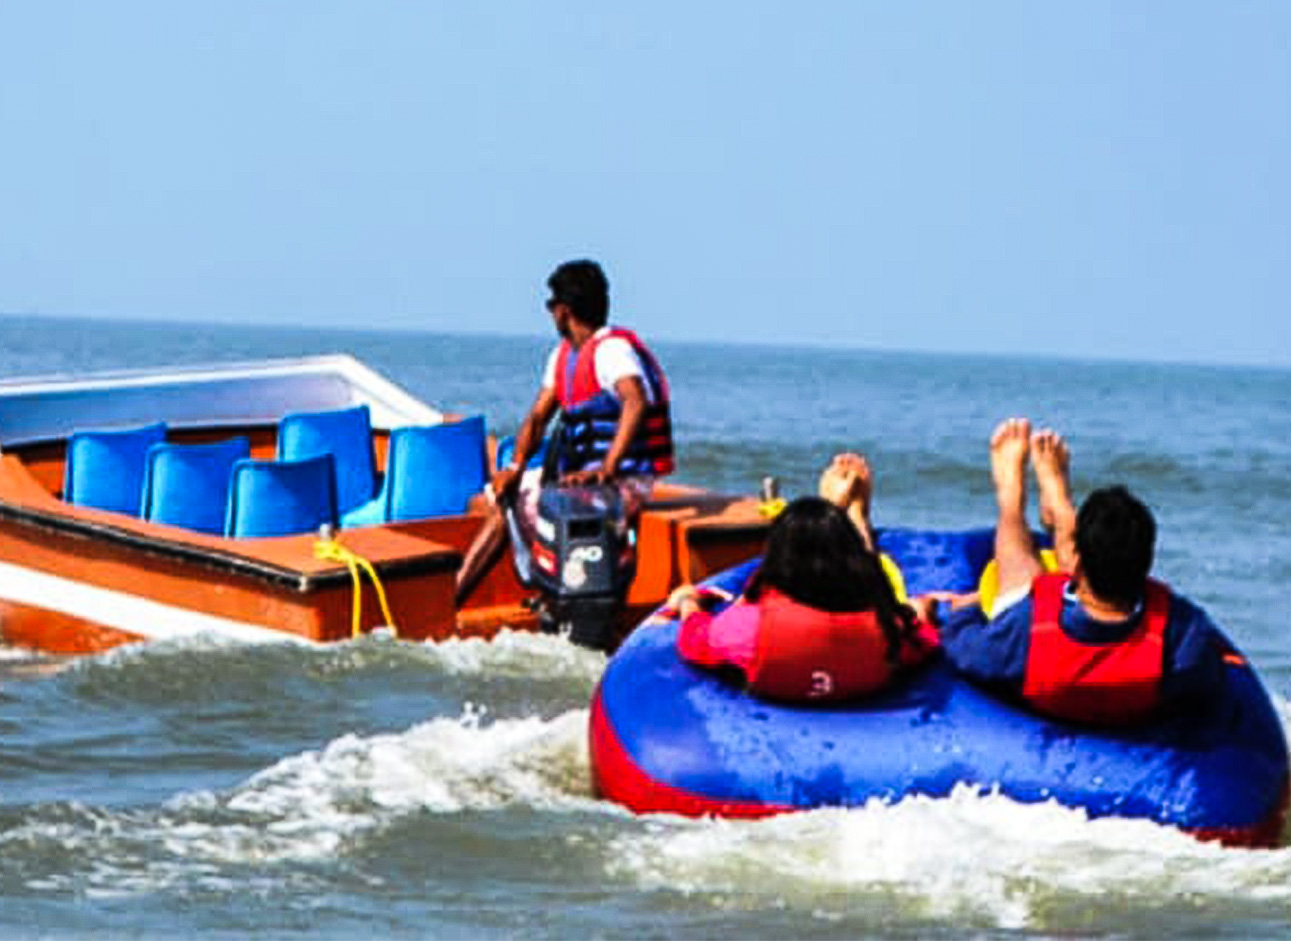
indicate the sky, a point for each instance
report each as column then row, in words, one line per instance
column 1089, row 179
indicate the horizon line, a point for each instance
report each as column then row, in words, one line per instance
column 754, row 343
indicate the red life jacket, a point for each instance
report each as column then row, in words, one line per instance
column 1109, row 684
column 591, row 414
column 808, row 655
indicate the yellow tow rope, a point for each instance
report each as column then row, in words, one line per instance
column 331, row 548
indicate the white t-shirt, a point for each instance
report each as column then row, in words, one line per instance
column 615, row 360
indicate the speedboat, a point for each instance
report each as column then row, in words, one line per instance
column 308, row 499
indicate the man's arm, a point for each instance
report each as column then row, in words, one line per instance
column 527, row 439
column 632, row 395
column 1195, row 651
column 991, row 651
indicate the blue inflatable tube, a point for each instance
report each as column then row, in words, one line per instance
column 667, row 736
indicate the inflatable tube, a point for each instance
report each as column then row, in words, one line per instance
column 669, row 737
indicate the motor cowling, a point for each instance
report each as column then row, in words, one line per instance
column 583, row 560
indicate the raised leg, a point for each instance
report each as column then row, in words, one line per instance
column 1015, row 554
column 848, row 483
column 490, row 542
column 1052, row 463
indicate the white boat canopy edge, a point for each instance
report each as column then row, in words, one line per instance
column 52, row 407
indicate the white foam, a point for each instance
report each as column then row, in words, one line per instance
column 518, row 653
column 444, row 765
column 306, row 807
column 976, row 859
column 978, row 856
column 510, row 654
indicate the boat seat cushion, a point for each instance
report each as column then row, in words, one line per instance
column 434, row 470
column 346, row 434
column 188, row 484
column 105, row 469
column 281, row 498
column 372, row 513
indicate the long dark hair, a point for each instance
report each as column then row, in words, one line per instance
column 815, row 556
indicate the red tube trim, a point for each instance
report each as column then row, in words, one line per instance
column 616, row 777
column 1264, row 835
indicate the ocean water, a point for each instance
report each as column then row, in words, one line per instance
column 388, row 789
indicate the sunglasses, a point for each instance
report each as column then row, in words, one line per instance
column 552, row 302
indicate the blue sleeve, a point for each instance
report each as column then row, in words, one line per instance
column 1194, row 655
column 993, row 651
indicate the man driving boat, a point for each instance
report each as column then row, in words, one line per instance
column 615, row 424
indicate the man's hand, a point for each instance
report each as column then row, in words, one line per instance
column 587, row 478
column 505, row 483
column 684, row 600
column 925, row 606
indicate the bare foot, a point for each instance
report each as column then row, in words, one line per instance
column 1015, row 556
column 1052, row 463
column 848, row 483
column 837, row 483
column 1009, row 446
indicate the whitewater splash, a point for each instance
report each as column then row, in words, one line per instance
column 17, row 655
column 979, row 859
column 307, row 808
column 508, row 653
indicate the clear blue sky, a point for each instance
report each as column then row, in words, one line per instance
column 1083, row 178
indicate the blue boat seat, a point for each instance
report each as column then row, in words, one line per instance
column 188, row 484
column 281, row 498
column 105, row 469
column 346, row 434
column 434, row 470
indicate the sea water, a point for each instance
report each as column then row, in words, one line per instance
column 381, row 788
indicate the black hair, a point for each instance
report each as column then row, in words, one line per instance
column 815, row 556
column 582, row 286
column 1116, row 538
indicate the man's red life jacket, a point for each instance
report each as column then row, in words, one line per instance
column 591, row 414
column 1116, row 683
column 808, row 655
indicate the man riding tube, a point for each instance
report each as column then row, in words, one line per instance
column 1100, row 643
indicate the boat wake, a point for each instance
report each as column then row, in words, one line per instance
column 979, row 858
column 306, row 809
column 506, row 773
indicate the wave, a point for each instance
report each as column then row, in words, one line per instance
column 977, row 858
column 980, row 859
column 468, row 783
column 305, row 809
column 208, row 668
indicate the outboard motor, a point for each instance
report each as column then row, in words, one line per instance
column 582, row 560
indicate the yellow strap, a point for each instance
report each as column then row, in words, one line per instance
column 989, row 586
column 893, row 572
column 333, row 550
